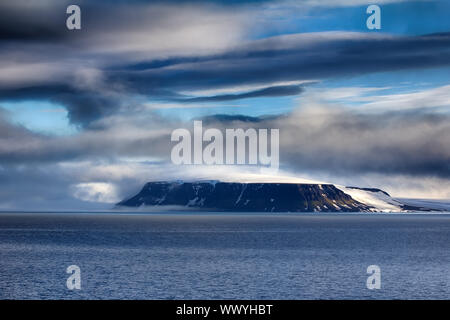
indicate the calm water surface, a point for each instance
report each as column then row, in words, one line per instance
column 217, row 256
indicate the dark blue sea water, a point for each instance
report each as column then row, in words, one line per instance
column 217, row 256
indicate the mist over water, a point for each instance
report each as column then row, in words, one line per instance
column 224, row 256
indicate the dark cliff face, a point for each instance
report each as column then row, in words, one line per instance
column 246, row 197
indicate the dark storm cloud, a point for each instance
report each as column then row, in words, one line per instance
column 276, row 60
column 265, row 63
column 32, row 21
column 41, row 59
column 83, row 106
column 291, row 58
column 287, row 59
column 141, row 50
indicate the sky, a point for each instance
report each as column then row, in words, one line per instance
column 86, row 115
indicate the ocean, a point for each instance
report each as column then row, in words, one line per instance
column 224, row 256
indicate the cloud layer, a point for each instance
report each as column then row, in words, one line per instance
column 315, row 138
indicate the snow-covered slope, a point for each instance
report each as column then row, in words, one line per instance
column 379, row 200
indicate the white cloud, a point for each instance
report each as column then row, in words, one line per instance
column 171, row 105
column 371, row 100
column 96, row 192
column 25, row 74
column 164, row 30
column 244, row 88
column 347, row 93
column 428, row 98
